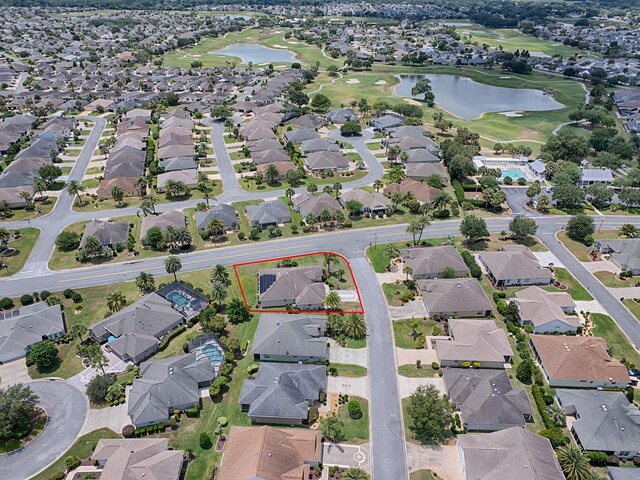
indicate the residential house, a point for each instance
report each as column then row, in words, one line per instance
column 188, row 177
column 129, row 458
column 168, row 218
column 108, row 233
column 623, row 253
column 21, row 328
column 474, row 341
column 605, row 421
column 270, row 453
column 166, row 385
column 178, row 163
column 421, row 191
column 282, row 167
column 309, row 204
column 486, row 399
column 326, row 160
column 386, row 122
column 127, row 184
column 623, row 473
column 514, row 267
column 454, row 297
column 342, row 115
column 273, row 212
column 431, row 262
column 301, row 287
column 308, row 121
column 372, row 202
column 547, row 312
column 318, row 145
column 281, row 338
column 301, row 135
column 423, row 156
column 580, row 362
column 281, row 393
column 512, row 453
column 223, row 212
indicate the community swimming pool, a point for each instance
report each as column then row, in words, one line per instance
column 513, row 173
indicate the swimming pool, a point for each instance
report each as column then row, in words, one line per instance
column 213, row 353
column 514, row 173
column 178, row 299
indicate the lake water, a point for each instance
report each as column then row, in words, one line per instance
column 469, row 100
column 256, row 54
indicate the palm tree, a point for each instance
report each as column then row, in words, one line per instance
column 355, row 326
column 312, row 187
column 271, row 173
column 416, row 227
column 91, row 245
column 78, row 330
column 148, row 204
column 628, row 231
column 325, row 216
column 39, row 187
column 27, row 197
column 218, row 293
column 141, row 183
column 573, row 462
column 289, row 193
column 407, row 270
column 557, row 415
column 173, row 265
column 5, row 235
column 355, row 473
column 97, row 359
column 145, row 282
column 74, row 187
column 337, row 187
column 328, row 260
column 378, row 185
column 117, row 193
column 332, row 300
column 310, row 219
column 205, row 195
column 220, row 274
column 182, row 236
column 331, row 426
column 116, row 301
column 215, row 226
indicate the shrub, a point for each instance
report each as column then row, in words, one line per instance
column 524, row 372
column 193, row 412
column 597, row 459
column 465, row 364
column 205, row 234
column 223, row 422
column 67, row 293
column 354, row 408
column 166, row 340
column 44, row 295
column 313, row 415
column 71, row 462
column 76, row 297
column 435, row 365
column 474, row 268
column 241, row 235
column 6, row 303
column 205, row 441
column 26, row 299
column 68, row 241
column 98, row 386
column 128, row 431
column 555, row 436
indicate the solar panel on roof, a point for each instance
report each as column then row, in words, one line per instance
column 266, row 280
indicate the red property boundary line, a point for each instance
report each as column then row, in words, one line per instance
column 359, row 311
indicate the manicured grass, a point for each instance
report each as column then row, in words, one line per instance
column 23, row 246
column 619, row 345
column 610, row 279
column 574, row 288
column 82, row 448
column 402, row 331
column 633, row 307
column 393, row 292
column 356, row 342
column 44, row 207
column 495, row 242
column 425, row 371
column 422, row 475
column 355, row 430
column 38, row 422
column 249, row 185
column 350, row 370
column 579, row 250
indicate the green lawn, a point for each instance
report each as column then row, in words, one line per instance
column 633, row 306
column 82, row 448
column 402, row 331
column 350, row 370
column 620, row 347
column 425, row 371
column 574, row 288
column 23, row 246
column 43, row 207
column 379, row 259
column 423, row 475
column 355, row 431
column 581, row 251
column 610, row 279
column 393, row 292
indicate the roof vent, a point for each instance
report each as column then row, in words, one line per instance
column 269, row 454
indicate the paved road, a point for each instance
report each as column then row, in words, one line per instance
column 67, row 408
column 388, row 456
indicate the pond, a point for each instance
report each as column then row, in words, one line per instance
column 257, row 54
column 469, row 100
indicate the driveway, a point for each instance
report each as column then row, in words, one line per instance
column 442, row 459
column 358, row 386
column 110, row 417
column 345, row 455
column 67, row 409
column 407, row 386
column 407, row 356
column 601, row 266
column 354, row 356
column 14, row 372
column 413, row 308
column 546, row 258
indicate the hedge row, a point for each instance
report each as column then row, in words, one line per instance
column 166, row 340
column 470, row 261
column 160, row 427
column 459, row 190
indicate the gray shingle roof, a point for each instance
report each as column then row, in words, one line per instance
column 508, row 454
column 283, row 335
column 625, row 252
column 283, row 390
column 443, row 296
column 624, row 473
column 222, row 211
column 426, row 261
column 274, row 211
column 509, row 265
column 607, row 421
column 486, row 397
column 108, row 233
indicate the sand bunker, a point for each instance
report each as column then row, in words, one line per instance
column 513, row 113
column 293, row 43
column 353, row 80
column 411, row 101
column 279, row 46
column 381, row 82
column 506, row 76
